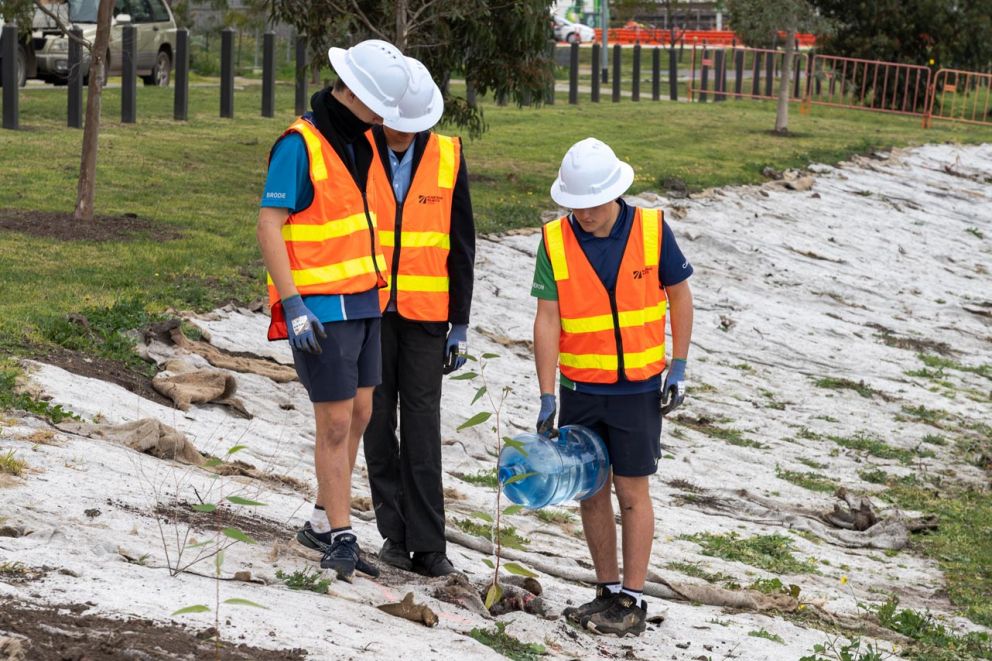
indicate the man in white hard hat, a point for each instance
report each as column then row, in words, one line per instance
column 427, row 233
column 606, row 275
column 316, row 229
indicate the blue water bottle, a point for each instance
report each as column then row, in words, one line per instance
column 573, row 466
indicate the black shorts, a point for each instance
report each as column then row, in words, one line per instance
column 630, row 426
column 351, row 359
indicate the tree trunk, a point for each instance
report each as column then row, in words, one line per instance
column 401, row 23
column 91, row 130
column 782, row 114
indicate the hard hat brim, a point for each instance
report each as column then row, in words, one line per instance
column 341, row 68
column 571, row 201
column 422, row 123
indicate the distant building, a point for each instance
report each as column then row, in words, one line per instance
column 660, row 14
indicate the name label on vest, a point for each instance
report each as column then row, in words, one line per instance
column 430, row 199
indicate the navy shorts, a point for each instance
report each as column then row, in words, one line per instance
column 351, row 359
column 630, row 426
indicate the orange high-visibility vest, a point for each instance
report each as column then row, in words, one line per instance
column 332, row 244
column 603, row 332
column 415, row 236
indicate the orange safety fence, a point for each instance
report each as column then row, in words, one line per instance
column 659, row 37
column 753, row 73
column 878, row 86
column 960, row 96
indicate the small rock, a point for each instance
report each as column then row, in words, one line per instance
column 13, row 531
column 69, row 572
column 92, row 512
column 243, row 575
column 682, row 646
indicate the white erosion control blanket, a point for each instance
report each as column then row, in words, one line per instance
column 881, row 260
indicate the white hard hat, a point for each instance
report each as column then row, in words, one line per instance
column 376, row 72
column 423, row 103
column 590, row 175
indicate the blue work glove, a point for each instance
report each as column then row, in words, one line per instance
column 673, row 390
column 546, row 418
column 455, row 348
column 302, row 325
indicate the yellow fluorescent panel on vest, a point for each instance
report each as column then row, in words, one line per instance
column 610, row 362
column 332, row 229
column 605, row 321
column 417, row 240
column 341, row 271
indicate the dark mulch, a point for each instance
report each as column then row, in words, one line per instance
column 67, row 632
column 100, row 368
column 62, row 226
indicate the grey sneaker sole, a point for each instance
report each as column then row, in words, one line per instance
column 635, row 631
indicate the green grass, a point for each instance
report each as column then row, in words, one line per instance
column 767, row 635
column 482, row 478
column 926, row 415
column 772, row 553
column 11, row 465
column 201, row 180
column 305, row 579
column 859, row 387
column 696, row 570
column 507, row 645
column 876, row 447
column 508, row 535
column 548, row 515
column 933, row 641
column 962, row 543
column 11, row 399
column 811, row 481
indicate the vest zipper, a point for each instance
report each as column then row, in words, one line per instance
column 616, row 330
column 397, row 246
column 368, row 219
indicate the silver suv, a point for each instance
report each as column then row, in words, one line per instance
column 156, row 39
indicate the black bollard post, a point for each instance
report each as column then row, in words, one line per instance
column 573, row 74
column 655, row 73
column 75, row 91
column 769, row 73
column 635, row 88
column 756, row 77
column 129, row 74
column 616, row 73
column 797, row 75
column 594, row 96
column 227, row 73
column 11, row 89
column 673, row 73
column 269, row 74
column 180, row 102
column 301, row 74
column 719, row 79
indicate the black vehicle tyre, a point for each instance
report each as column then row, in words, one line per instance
column 22, row 72
column 572, row 38
column 162, row 72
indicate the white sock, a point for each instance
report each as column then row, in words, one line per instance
column 339, row 531
column 318, row 520
column 636, row 594
column 614, row 588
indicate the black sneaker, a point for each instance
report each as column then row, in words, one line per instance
column 624, row 616
column 321, row 541
column 580, row 614
column 433, row 563
column 395, row 554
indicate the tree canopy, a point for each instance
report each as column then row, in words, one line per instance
column 500, row 46
column 950, row 33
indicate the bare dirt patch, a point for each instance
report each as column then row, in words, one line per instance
column 100, row 368
column 63, row 227
column 67, row 632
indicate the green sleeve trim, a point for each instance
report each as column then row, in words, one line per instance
column 544, row 286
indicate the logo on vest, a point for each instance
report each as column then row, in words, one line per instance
column 639, row 275
column 429, row 199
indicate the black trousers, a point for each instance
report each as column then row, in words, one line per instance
column 405, row 473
